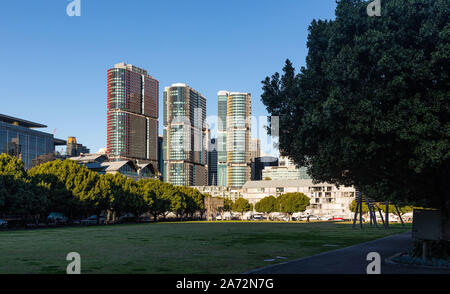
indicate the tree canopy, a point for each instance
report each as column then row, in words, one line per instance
column 267, row 205
column 371, row 108
column 291, row 203
column 72, row 189
column 242, row 205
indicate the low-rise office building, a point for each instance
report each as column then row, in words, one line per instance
column 220, row 191
column 325, row 199
column 19, row 138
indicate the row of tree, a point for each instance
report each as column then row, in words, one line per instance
column 75, row 191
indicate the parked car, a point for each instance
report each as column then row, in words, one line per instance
column 226, row 217
column 311, row 217
column 283, row 218
column 257, row 217
column 3, row 223
column 92, row 220
column 57, row 218
column 126, row 218
column 145, row 219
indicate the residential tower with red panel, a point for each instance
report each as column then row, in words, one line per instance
column 132, row 119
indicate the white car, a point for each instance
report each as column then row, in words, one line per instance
column 311, row 217
column 283, row 218
column 257, row 217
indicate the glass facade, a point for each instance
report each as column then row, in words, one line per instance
column 222, row 127
column 234, row 111
column 132, row 119
column 185, row 136
column 222, row 175
column 24, row 143
column 285, row 173
column 238, row 175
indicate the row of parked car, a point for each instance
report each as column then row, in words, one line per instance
column 296, row 218
column 57, row 218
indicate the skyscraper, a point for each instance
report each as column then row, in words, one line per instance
column 185, row 154
column 161, row 157
column 234, row 111
column 255, row 149
column 132, row 114
column 222, row 98
column 212, row 162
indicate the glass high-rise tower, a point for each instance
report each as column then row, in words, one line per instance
column 234, row 114
column 185, row 144
column 132, row 114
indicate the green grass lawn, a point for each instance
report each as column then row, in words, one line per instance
column 183, row 248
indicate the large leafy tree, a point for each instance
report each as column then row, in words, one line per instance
column 148, row 194
column 371, row 108
column 161, row 205
column 267, row 205
column 18, row 195
column 178, row 202
column 68, row 186
column 195, row 201
column 242, row 206
column 12, row 183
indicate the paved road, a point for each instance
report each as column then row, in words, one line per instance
column 352, row 260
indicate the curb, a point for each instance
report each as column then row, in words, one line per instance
column 389, row 260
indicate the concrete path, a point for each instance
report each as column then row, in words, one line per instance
column 352, row 260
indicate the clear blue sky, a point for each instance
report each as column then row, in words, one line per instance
column 54, row 66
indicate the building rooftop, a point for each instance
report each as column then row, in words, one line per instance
column 20, row 122
column 223, row 92
column 89, row 157
column 116, row 165
column 239, row 93
column 132, row 68
column 267, row 159
column 59, row 142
